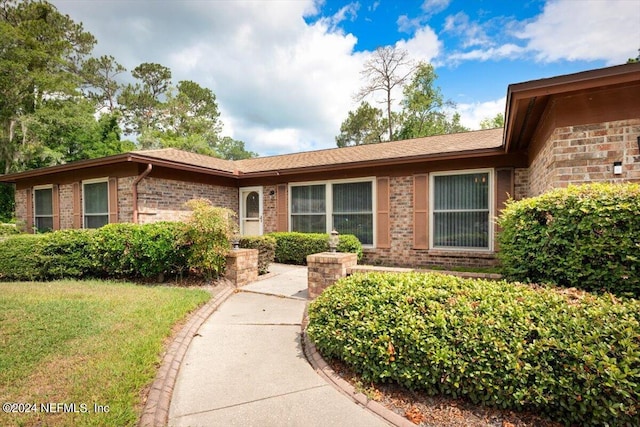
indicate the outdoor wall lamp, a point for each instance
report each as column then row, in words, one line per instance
column 334, row 238
column 617, row 168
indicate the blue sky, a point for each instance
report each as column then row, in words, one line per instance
column 285, row 71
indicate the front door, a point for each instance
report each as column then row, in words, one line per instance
column 251, row 211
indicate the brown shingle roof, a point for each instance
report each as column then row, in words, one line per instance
column 178, row 156
column 432, row 146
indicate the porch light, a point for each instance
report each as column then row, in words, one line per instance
column 236, row 242
column 617, row 168
column 333, row 240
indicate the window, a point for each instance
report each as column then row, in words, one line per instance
column 345, row 206
column 95, row 195
column 309, row 209
column 461, row 210
column 43, row 209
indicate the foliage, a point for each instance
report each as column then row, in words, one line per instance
column 232, row 149
column 134, row 251
column 569, row 355
column 8, row 229
column 294, row 247
column 41, row 50
column 266, row 246
column 492, row 123
column 365, row 126
column 66, row 254
column 102, row 340
column 20, row 257
column 211, row 229
column 584, row 236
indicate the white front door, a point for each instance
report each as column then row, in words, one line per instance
column 251, row 211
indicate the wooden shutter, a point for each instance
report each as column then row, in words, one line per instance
column 281, row 209
column 421, row 211
column 504, row 187
column 55, row 206
column 383, row 202
column 29, row 219
column 113, row 200
column 77, row 205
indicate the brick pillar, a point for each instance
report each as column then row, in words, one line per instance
column 325, row 268
column 242, row 266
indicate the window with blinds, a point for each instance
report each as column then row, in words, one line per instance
column 43, row 209
column 345, row 206
column 461, row 210
column 95, row 196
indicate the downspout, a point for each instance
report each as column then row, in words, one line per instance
column 134, row 190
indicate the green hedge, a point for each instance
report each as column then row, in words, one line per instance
column 582, row 236
column 266, row 246
column 8, row 229
column 66, row 254
column 20, row 257
column 294, row 247
column 566, row 354
column 140, row 251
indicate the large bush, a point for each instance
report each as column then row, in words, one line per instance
column 570, row 355
column 266, row 246
column 211, row 230
column 66, row 254
column 294, row 247
column 20, row 257
column 586, row 236
column 134, row 251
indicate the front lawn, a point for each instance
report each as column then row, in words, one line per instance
column 82, row 352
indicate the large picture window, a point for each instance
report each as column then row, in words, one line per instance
column 43, row 209
column 95, row 196
column 461, row 210
column 345, row 206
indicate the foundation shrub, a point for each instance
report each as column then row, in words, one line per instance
column 210, row 232
column 567, row 354
column 8, row 230
column 266, row 246
column 582, row 236
column 66, row 254
column 20, row 257
column 140, row 251
column 294, row 247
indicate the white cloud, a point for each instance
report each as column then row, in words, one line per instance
column 473, row 33
column 589, row 30
column 506, row 51
column 435, row 6
column 471, row 114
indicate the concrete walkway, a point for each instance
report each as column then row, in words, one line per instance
column 246, row 367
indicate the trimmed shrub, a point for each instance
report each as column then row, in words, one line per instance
column 20, row 257
column 582, row 236
column 266, row 246
column 211, row 230
column 294, row 247
column 566, row 354
column 66, row 253
column 8, row 230
column 132, row 250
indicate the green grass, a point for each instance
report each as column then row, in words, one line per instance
column 84, row 343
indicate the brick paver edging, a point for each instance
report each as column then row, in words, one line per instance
column 324, row 370
column 156, row 408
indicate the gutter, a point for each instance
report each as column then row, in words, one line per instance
column 134, row 191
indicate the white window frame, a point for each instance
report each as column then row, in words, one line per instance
column 491, row 196
column 35, row 215
column 84, row 208
column 328, row 194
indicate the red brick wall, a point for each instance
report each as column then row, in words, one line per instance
column 585, row 153
column 21, row 207
column 164, row 200
column 269, row 214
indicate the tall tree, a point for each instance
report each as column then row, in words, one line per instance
column 364, row 126
column 99, row 81
column 491, row 123
column 40, row 55
column 232, row 149
column 142, row 103
column 388, row 68
column 424, row 110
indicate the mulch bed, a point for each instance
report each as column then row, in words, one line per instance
column 430, row 411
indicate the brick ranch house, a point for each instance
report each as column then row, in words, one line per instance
column 419, row 202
